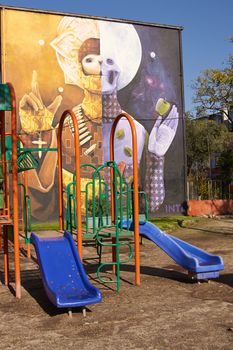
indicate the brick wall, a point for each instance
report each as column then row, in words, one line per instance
column 210, row 207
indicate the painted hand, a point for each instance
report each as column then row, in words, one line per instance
column 34, row 115
column 163, row 133
column 123, row 149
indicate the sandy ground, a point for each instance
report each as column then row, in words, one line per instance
column 168, row 310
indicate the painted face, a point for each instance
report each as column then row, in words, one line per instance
column 109, row 75
column 92, row 64
column 106, row 68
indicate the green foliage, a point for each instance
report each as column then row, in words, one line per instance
column 213, row 90
column 203, row 138
column 225, row 162
column 203, row 192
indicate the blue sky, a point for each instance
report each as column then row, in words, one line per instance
column 207, row 26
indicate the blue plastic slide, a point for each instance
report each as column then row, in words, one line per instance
column 199, row 263
column 63, row 274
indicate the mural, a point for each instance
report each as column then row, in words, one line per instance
column 98, row 69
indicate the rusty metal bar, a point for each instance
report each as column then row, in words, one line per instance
column 135, row 188
column 78, row 180
column 15, row 192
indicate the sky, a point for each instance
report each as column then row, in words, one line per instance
column 205, row 38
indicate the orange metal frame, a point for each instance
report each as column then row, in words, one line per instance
column 135, row 188
column 25, row 180
column 60, row 187
column 15, row 219
column 78, row 181
column 6, row 209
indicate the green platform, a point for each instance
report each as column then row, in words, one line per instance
column 5, row 98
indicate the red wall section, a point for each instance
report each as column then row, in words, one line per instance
column 210, row 207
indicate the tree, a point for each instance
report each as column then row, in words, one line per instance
column 203, row 138
column 213, row 91
column 225, row 162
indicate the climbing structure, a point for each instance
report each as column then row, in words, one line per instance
column 13, row 160
column 107, row 199
column 9, row 206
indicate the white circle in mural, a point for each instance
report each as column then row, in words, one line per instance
column 120, row 42
column 153, row 54
column 60, row 89
column 41, row 42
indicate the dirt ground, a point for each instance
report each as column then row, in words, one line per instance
column 168, row 310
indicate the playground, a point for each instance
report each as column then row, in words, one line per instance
column 106, row 252
column 167, row 311
column 102, row 166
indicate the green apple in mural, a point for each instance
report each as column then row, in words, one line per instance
column 162, row 107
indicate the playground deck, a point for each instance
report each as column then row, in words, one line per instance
column 5, row 220
column 166, row 312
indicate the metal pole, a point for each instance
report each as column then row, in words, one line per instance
column 15, row 191
column 6, row 209
column 135, row 187
column 6, row 255
column 78, row 179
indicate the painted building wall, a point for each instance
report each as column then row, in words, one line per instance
column 98, row 68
